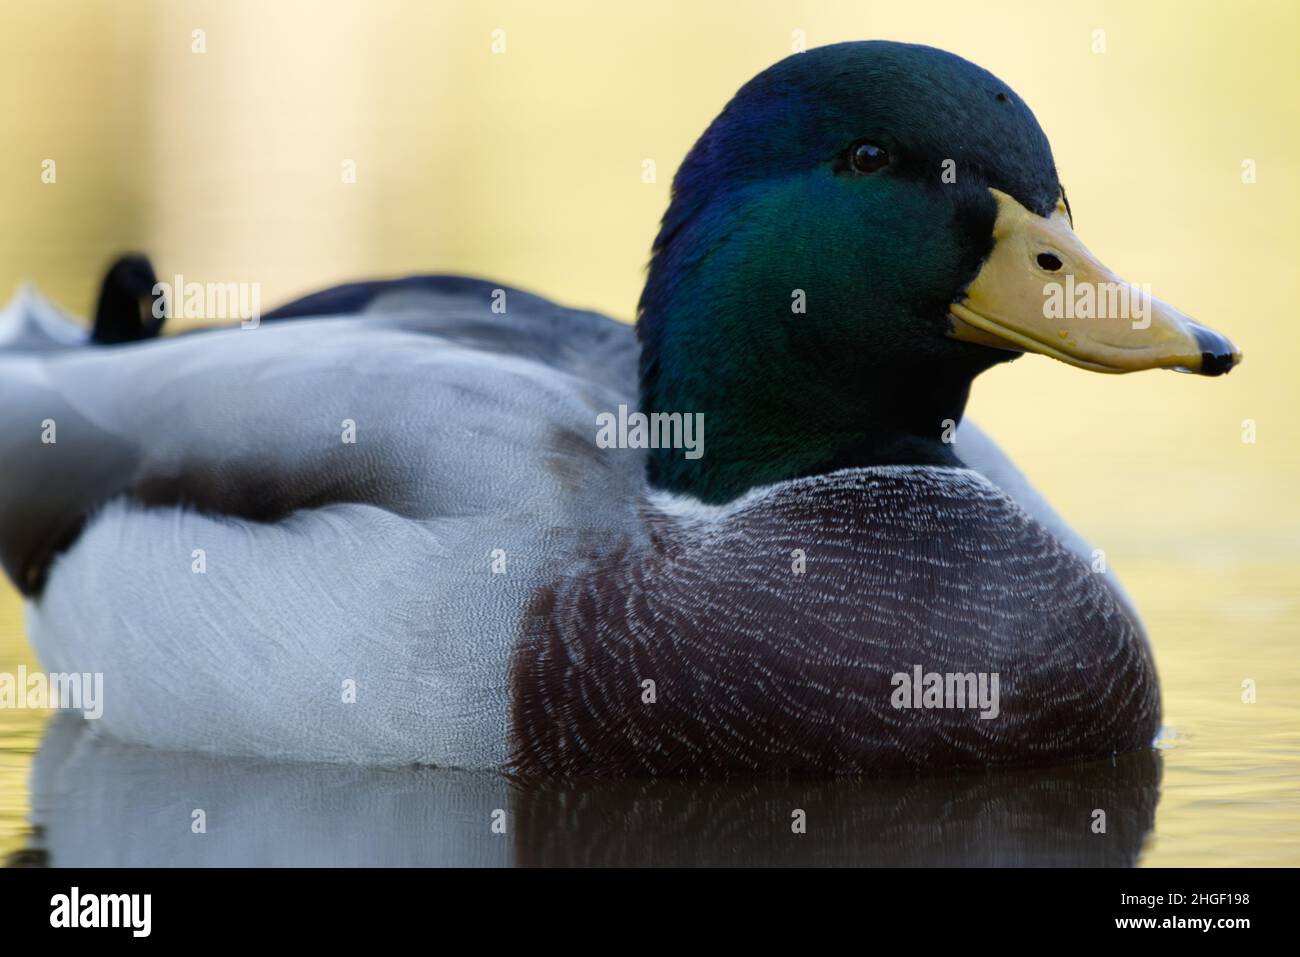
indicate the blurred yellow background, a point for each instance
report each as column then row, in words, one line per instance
column 526, row 166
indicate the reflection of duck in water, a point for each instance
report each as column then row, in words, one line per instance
column 863, row 230
column 100, row 803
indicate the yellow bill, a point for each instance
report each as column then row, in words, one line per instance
column 1041, row 291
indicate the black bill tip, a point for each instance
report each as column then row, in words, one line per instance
column 1218, row 355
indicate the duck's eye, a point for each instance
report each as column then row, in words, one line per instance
column 868, row 157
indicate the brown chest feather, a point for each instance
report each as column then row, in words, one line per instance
column 768, row 640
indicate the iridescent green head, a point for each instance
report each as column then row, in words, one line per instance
column 802, row 285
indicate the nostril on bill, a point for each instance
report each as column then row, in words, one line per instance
column 1049, row 261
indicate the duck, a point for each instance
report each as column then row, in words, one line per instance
column 377, row 527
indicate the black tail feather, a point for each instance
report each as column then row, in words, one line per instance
column 128, row 309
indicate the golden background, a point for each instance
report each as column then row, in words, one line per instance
column 526, row 166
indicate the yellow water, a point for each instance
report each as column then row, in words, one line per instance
column 527, row 166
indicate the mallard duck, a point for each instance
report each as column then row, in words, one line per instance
column 414, row 521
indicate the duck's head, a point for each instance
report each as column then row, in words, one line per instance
column 865, row 228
